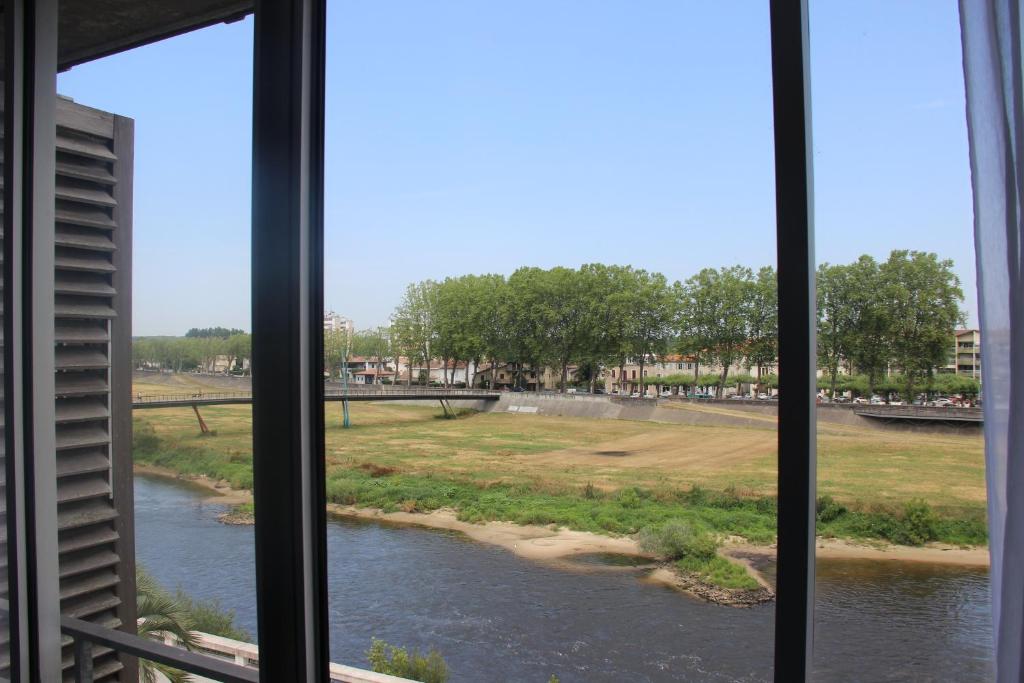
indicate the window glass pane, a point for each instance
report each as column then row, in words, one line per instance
column 543, row 184
column 902, row 585
column 174, row 242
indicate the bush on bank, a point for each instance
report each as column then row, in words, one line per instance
column 694, row 551
column 397, row 661
column 585, row 508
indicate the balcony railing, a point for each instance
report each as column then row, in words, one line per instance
column 215, row 657
column 87, row 634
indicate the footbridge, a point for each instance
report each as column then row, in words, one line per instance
column 148, row 401
column 195, row 400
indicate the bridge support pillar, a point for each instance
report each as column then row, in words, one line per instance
column 202, row 424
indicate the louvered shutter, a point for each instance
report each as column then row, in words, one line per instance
column 93, row 382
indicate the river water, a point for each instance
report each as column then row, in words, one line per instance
column 496, row 617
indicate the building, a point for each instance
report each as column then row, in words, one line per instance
column 508, row 376
column 338, row 323
column 370, row 370
column 965, row 358
column 461, row 373
column 631, row 381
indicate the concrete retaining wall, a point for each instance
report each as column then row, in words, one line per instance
column 762, row 414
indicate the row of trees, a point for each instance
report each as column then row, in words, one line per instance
column 191, row 352
column 874, row 318
column 593, row 317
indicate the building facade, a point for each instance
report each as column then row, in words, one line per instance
column 966, row 354
column 338, row 323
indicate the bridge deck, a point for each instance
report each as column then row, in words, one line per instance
column 144, row 401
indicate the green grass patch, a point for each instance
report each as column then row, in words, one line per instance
column 486, row 492
column 720, row 572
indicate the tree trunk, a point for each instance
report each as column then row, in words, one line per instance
column 643, row 384
column 725, row 375
column 494, row 372
column 622, row 376
column 565, row 375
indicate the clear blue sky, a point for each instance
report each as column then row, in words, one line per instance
column 478, row 137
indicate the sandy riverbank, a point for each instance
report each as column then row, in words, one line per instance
column 552, row 543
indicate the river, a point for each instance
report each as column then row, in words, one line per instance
column 497, row 617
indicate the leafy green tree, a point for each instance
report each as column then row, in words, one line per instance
column 763, row 321
column 613, row 337
column 654, row 316
column 837, row 320
column 923, row 295
column 336, row 350
column 238, row 347
column 872, row 323
column 487, row 336
column 413, row 326
column 716, row 311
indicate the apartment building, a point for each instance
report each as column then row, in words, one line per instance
column 338, row 323
column 671, row 364
column 965, row 357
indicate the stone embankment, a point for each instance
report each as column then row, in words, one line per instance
column 763, row 414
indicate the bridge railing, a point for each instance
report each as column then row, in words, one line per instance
column 186, row 397
column 141, row 398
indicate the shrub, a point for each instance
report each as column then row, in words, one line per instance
column 144, row 438
column 396, row 661
column 629, row 498
column 828, row 510
column 678, row 539
column 920, row 523
column 209, row 617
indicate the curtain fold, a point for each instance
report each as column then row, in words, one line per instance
column 991, row 36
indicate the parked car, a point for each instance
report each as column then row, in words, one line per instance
column 635, row 394
column 738, row 397
column 877, row 401
column 665, row 393
column 897, row 402
column 942, row 402
column 860, row 400
column 763, row 397
column 841, row 399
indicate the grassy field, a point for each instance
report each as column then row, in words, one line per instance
column 602, row 475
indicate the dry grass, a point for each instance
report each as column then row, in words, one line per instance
column 856, row 466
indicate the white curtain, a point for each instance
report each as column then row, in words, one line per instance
column 991, row 34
